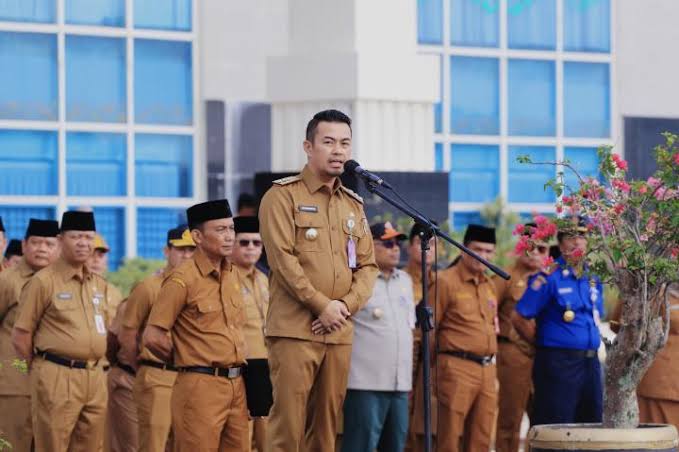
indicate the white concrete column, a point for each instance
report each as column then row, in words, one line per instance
column 360, row 57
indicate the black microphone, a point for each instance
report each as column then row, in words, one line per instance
column 354, row 167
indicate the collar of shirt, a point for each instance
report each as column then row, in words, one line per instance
column 314, row 183
column 249, row 273
column 395, row 273
column 467, row 276
column 564, row 267
column 68, row 271
column 205, row 266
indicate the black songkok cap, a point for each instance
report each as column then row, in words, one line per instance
column 77, row 221
column 246, row 224
column 13, row 249
column 478, row 233
column 206, row 211
column 2, row 226
column 42, row 228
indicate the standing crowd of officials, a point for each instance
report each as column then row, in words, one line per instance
column 319, row 351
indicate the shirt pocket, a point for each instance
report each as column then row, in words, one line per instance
column 209, row 315
column 567, row 297
column 63, row 304
column 353, row 225
column 310, row 232
column 466, row 305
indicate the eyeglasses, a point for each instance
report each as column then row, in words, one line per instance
column 388, row 244
column 246, row 243
column 540, row 248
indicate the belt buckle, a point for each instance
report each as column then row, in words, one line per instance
column 215, row 371
column 89, row 365
column 232, row 372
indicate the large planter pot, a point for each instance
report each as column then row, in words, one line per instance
column 592, row 437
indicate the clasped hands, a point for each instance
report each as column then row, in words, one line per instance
column 333, row 318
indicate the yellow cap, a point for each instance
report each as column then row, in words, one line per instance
column 100, row 243
column 185, row 240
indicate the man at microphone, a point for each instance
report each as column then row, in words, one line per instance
column 320, row 251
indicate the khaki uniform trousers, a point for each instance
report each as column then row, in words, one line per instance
column 153, row 395
column 258, row 428
column 309, row 384
column 467, row 396
column 209, row 414
column 15, row 421
column 121, row 420
column 68, row 407
column 658, row 411
column 514, row 371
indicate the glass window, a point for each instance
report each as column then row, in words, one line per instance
column 95, row 164
column 532, row 24
column 107, row 13
column 43, row 11
column 152, row 227
column 16, row 219
column 164, row 165
column 586, row 100
column 92, row 63
column 587, row 25
column 430, row 21
column 163, row 14
column 474, row 23
column 28, row 162
column 438, row 106
column 474, row 173
column 526, row 181
column 110, row 223
column 29, row 89
column 475, row 95
column 163, row 86
column 585, row 161
column 460, row 220
column 438, row 157
column 532, row 98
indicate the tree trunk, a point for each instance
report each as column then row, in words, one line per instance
column 620, row 409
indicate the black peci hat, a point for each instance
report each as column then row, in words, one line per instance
column 42, row 228
column 13, row 249
column 206, row 211
column 478, row 233
column 77, row 221
column 246, row 224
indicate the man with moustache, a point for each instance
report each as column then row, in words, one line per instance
column 41, row 248
column 320, row 251
column 61, row 332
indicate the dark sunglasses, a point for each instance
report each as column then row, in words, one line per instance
column 388, row 244
column 246, row 243
column 541, row 248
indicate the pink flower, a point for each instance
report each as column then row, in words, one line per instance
column 661, row 194
column 620, row 163
column 559, row 208
column 522, row 245
column 653, row 182
column 577, row 253
column 549, row 260
column 619, row 208
column 621, row 185
column 540, row 220
column 567, row 200
column 676, row 158
column 519, row 229
column 643, row 238
column 644, row 188
column 675, row 252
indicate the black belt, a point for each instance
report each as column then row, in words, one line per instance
column 129, row 369
column 163, row 366
column 574, row 353
column 227, row 372
column 504, row 339
column 482, row 360
column 72, row 363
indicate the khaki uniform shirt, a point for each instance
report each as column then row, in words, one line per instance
column 113, row 299
column 508, row 294
column 114, row 329
column 203, row 308
column 12, row 382
column 306, row 228
column 255, row 291
column 139, row 303
column 64, row 311
column 465, row 312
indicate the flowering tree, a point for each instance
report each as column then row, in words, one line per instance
column 634, row 245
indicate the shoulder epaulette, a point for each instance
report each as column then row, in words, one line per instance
column 288, row 180
column 352, row 193
column 178, row 281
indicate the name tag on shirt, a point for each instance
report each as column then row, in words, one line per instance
column 308, row 209
column 64, row 296
column 565, row 290
column 99, row 323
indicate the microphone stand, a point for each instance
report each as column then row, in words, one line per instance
column 424, row 312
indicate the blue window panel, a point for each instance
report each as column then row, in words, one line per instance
column 16, row 219
column 531, row 24
column 474, row 174
column 460, row 220
column 163, row 87
column 107, row 13
column 438, row 157
column 475, row 23
column 90, row 64
column 475, row 95
column 587, row 25
column 28, row 162
column 532, row 98
column 527, row 181
column 42, row 11
column 438, row 106
column 96, row 164
column 110, row 222
column 164, row 165
column 28, row 76
column 430, row 21
column 152, row 227
column 586, row 100
column 163, row 14
column 585, row 161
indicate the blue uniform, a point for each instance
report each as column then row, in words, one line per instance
column 566, row 370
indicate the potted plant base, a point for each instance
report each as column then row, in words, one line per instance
column 593, row 437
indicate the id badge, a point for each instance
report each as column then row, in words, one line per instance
column 351, row 252
column 99, row 323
